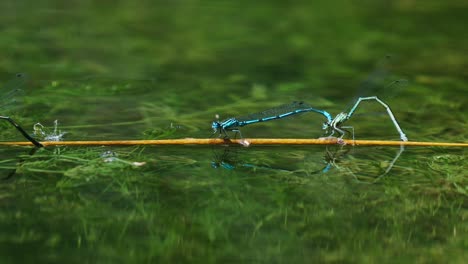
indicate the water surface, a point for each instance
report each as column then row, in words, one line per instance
column 164, row 69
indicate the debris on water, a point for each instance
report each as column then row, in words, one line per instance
column 138, row 164
column 41, row 132
column 111, row 156
column 175, row 126
column 244, row 142
column 108, row 153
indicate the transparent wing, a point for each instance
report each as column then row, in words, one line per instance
column 380, row 82
column 278, row 110
column 11, row 91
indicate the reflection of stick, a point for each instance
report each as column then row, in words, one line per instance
column 21, row 130
column 252, row 141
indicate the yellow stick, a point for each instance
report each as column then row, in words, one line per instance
column 251, row 142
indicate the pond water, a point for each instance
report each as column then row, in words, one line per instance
column 164, row 69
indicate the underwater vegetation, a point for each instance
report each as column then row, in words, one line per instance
column 167, row 69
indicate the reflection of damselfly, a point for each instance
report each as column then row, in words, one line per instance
column 9, row 166
column 7, row 94
column 229, row 160
column 335, row 157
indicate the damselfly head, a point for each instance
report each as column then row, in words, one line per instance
column 325, row 126
column 214, row 164
column 216, row 126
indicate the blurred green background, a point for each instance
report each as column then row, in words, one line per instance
column 164, row 69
